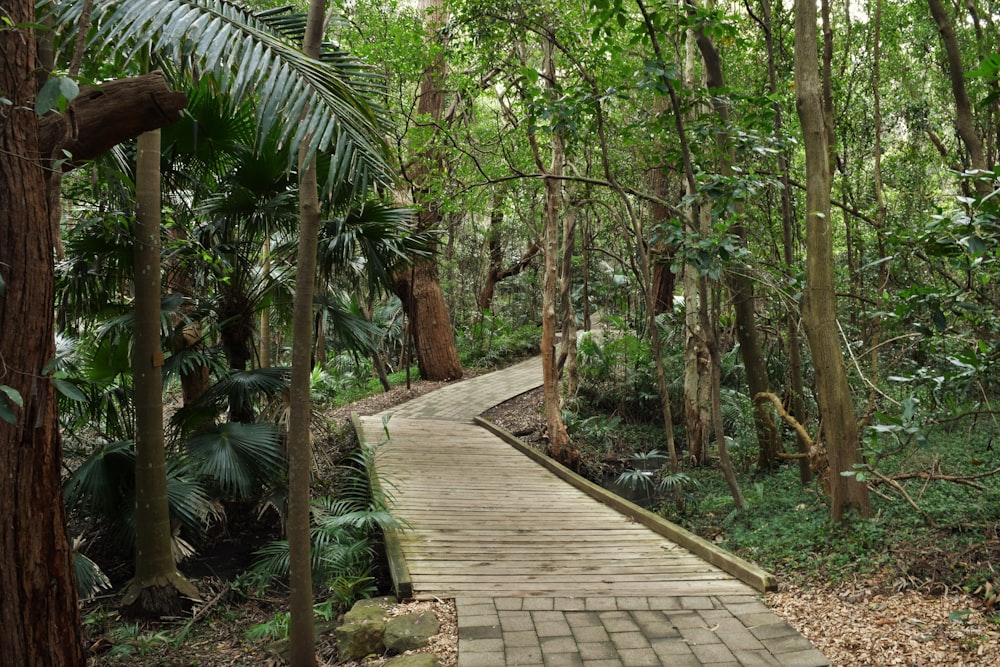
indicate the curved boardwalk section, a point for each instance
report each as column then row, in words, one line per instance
column 542, row 573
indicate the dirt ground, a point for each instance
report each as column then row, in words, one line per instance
column 865, row 622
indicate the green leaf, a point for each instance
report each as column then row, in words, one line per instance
column 57, row 92
column 69, row 390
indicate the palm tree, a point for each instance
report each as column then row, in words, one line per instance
column 315, row 106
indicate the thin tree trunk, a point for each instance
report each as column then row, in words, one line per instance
column 795, row 389
column 301, row 630
column 567, row 362
column 38, row 599
column 264, row 344
column 965, row 123
column 819, row 305
column 158, row 589
column 559, row 445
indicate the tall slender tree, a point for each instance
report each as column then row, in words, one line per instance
column 819, row 300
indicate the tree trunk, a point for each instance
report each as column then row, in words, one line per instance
column 38, row 600
column 559, row 445
column 965, row 123
column 819, row 300
column 158, row 589
column 697, row 361
column 567, row 362
column 739, row 282
column 795, row 390
column 494, row 251
column 430, row 326
column 420, row 289
column 301, row 629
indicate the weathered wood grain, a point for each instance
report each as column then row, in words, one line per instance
column 484, row 519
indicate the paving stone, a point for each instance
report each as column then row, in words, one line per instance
column 553, row 629
column 477, row 610
column 756, row 658
column 491, row 659
column 745, row 608
column 569, row 604
column 664, row 604
column 740, row 640
column 581, row 619
column 685, row 619
column 615, row 662
column 662, row 630
column 758, row 619
column 516, row 620
column 806, row 658
column 699, row 636
column 618, row 622
column 507, row 604
column 787, row 644
column 596, row 650
column 645, row 616
column 547, row 616
column 696, row 602
column 591, row 633
column 600, row 604
column 772, row 631
column 524, row 655
column 481, row 632
column 623, row 640
column 633, row 603
column 477, row 621
column 737, row 599
column 520, row 638
column 562, row 660
column 638, row 657
column 557, row 645
column 713, row 654
column 536, row 604
column 670, row 647
column 713, row 616
column 480, row 645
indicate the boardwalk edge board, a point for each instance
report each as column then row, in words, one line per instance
column 745, row 571
column 401, row 581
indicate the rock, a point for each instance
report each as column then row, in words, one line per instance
column 359, row 638
column 410, row 631
column 363, row 629
column 415, row 660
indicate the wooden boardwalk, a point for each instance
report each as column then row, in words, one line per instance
column 487, row 521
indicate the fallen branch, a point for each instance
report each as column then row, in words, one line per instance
column 906, row 496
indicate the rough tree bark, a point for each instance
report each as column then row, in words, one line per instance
column 497, row 271
column 38, row 600
column 819, row 300
column 567, row 362
column 419, row 288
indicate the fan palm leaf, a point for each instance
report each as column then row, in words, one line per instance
column 240, row 458
column 319, row 105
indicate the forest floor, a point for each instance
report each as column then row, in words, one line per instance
column 865, row 620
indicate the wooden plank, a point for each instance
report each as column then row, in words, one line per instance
column 484, row 519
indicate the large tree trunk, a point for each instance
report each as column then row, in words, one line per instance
column 158, row 589
column 819, row 300
column 420, row 288
column 38, row 600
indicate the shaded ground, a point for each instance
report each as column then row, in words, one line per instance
column 911, row 617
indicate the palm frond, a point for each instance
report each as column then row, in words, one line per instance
column 317, row 104
column 90, row 580
column 103, row 482
column 240, row 458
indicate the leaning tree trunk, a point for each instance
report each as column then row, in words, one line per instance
column 38, row 600
column 420, row 288
column 158, row 589
column 567, row 362
column 819, row 302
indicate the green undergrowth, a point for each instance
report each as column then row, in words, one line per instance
column 947, row 541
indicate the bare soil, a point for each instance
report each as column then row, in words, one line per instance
column 882, row 620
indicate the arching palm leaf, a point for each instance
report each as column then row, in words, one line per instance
column 318, row 104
